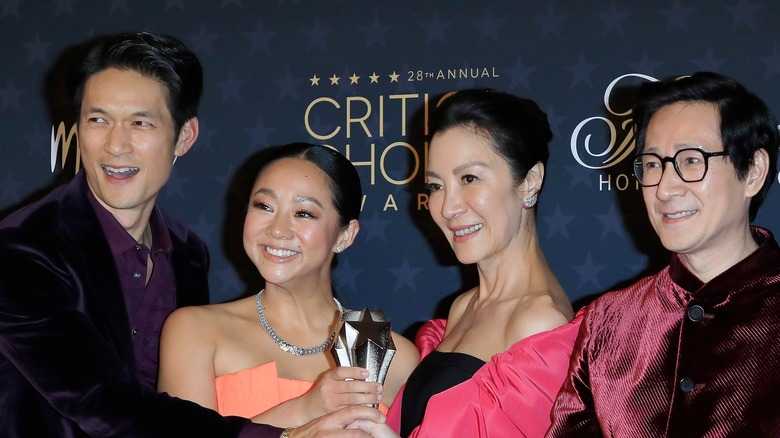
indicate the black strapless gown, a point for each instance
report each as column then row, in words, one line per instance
column 437, row 372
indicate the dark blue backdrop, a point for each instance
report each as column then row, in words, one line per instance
column 359, row 76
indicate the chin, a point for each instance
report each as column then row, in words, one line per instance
column 675, row 245
column 467, row 259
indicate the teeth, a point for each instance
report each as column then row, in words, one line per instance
column 468, row 230
column 680, row 214
column 280, row 252
column 119, row 170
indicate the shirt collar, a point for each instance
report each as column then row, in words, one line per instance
column 119, row 240
column 736, row 277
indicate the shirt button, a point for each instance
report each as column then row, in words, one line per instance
column 136, row 274
column 686, row 385
column 696, row 313
column 135, row 331
column 138, row 247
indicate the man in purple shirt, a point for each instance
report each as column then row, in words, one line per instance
column 89, row 273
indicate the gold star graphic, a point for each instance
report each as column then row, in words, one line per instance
column 374, row 78
column 334, row 80
column 314, row 80
column 394, row 77
column 354, row 79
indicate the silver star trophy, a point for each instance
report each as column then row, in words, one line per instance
column 364, row 340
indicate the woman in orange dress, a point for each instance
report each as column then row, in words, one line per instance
column 267, row 357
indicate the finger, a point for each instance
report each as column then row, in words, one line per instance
column 356, row 398
column 377, row 430
column 350, row 414
column 334, row 424
column 305, row 432
column 354, row 373
column 361, row 386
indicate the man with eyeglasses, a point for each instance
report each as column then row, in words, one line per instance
column 692, row 351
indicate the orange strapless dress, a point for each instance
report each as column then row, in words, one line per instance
column 252, row 391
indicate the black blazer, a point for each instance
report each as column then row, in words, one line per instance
column 67, row 367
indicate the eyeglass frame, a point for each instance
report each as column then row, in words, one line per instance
column 673, row 160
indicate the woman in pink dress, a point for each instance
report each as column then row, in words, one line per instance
column 494, row 367
column 267, row 357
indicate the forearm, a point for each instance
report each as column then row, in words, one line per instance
column 292, row 413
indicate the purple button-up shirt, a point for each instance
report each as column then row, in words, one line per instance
column 148, row 303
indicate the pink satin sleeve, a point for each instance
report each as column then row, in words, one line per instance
column 511, row 395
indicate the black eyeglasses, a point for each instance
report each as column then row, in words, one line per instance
column 691, row 165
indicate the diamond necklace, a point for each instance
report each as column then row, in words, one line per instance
column 286, row 346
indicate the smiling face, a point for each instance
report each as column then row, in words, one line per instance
column 291, row 228
column 473, row 198
column 126, row 139
column 708, row 218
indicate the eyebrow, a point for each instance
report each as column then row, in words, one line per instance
column 139, row 113
column 458, row 169
column 299, row 199
column 676, row 147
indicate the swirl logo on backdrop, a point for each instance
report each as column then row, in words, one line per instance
column 601, row 142
column 61, row 141
column 374, row 130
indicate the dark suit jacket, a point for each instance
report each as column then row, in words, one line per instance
column 67, row 367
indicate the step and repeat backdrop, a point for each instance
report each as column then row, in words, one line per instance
column 362, row 77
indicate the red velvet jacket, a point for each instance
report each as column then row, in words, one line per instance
column 671, row 356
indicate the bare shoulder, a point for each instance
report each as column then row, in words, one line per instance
column 188, row 317
column 406, row 352
column 404, row 361
column 202, row 320
column 459, row 306
column 539, row 314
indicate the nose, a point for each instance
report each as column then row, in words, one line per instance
column 453, row 205
column 118, row 142
column 671, row 184
column 280, row 227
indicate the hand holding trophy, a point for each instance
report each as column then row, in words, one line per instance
column 365, row 340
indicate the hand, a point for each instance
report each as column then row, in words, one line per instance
column 377, row 430
column 340, row 387
column 335, row 424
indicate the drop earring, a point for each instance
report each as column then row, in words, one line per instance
column 529, row 202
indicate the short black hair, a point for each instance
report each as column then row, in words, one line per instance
column 155, row 56
column 746, row 123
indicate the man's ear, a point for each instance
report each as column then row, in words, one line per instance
column 187, row 136
column 757, row 173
